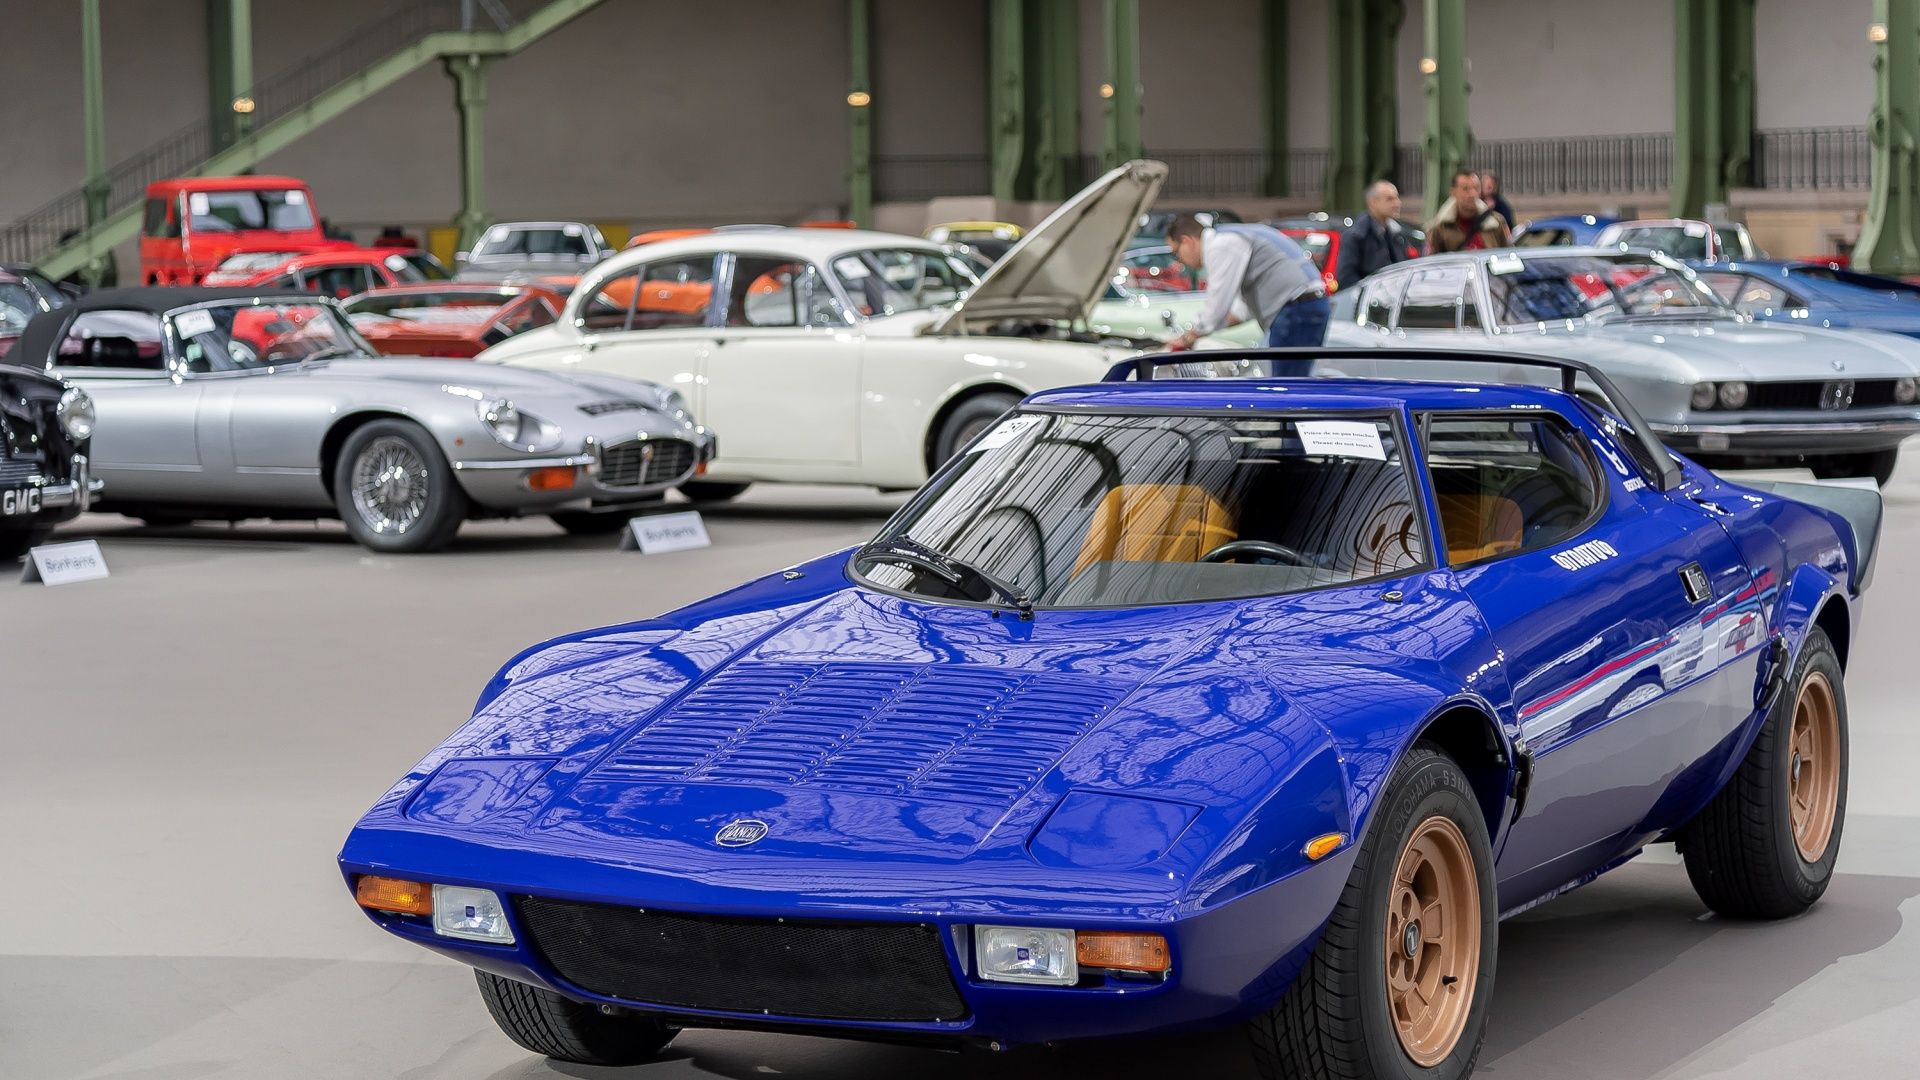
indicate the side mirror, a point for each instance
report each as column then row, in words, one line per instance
column 461, row 256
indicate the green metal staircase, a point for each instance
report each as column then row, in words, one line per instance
column 59, row 236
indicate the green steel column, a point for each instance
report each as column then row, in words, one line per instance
column 860, row 111
column 1053, row 59
column 229, row 71
column 1006, row 95
column 1121, row 94
column 1736, row 94
column 1696, row 108
column 1890, row 239
column 1448, row 141
column 1347, row 93
column 1382, row 104
column 470, row 94
column 93, row 107
column 1275, row 61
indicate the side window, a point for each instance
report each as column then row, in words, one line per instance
column 112, row 339
column 1433, row 300
column 1378, row 298
column 155, row 223
column 339, row 281
column 1469, row 305
column 769, row 291
column 1504, row 485
column 666, row 295
column 1749, row 293
column 526, row 318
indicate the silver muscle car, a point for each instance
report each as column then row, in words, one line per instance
column 1710, row 382
column 228, row 404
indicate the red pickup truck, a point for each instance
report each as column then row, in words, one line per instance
column 193, row 223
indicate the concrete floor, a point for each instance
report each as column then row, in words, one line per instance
column 184, row 746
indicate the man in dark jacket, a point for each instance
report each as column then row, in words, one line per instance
column 1376, row 241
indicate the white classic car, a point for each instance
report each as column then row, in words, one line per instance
column 845, row 356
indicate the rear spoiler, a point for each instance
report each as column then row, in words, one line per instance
column 1571, row 371
column 1862, row 508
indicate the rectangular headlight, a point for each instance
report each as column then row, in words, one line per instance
column 1025, row 954
column 474, row 914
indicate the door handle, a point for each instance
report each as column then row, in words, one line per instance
column 1694, row 580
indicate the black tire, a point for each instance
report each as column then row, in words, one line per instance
column 1875, row 463
column 584, row 523
column 968, row 419
column 15, row 543
column 561, row 1028
column 443, row 505
column 712, row 490
column 1741, row 851
column 1336, row 1021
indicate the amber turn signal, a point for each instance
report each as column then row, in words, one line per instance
column 1322, row 846
column 558, row 478
column 1121, row 952
column 393, row 895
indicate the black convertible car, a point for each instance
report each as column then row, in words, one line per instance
column 44, row 479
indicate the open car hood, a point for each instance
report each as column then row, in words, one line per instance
column 1061, row 268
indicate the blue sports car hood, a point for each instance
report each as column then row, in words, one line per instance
column 804, row 735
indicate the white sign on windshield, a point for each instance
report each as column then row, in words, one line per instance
column 198, row 202
column 193, row 323
column 1005, row 433
column 1341, row 438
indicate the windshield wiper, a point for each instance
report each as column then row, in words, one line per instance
column 955, row 571
column 330, row 352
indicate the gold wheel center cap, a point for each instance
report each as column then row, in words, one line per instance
column 1410, row 940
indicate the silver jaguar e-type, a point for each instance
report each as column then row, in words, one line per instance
column 229, row 404
column 1711, row 382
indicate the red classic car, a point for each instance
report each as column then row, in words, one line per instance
column 339, row 273
column 193, row 223
column 454, row 319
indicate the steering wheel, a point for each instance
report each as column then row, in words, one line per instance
column 1233, row 549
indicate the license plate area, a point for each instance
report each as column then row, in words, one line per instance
column 17, row 501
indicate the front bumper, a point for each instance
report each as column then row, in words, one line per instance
column 56, row 501
column 506, row 484
column 1229, row 961
column 1789, row 436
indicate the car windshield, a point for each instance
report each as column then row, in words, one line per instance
column 558, row 242
column 232, row 211
column 255, row 261
column 1153, row 270
column 1091, row 510
column 239, row 335
column 1530, row 289
column 417, row 266
column 1687, row 240
column 888, row 281
column 17, row 305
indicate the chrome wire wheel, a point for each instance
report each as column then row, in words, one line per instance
column 1433, row 941
column 390, row 486
column 1813, row 767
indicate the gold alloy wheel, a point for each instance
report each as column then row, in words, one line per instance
column 1433, row 941
column 1813, row 768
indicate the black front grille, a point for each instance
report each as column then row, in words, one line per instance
column 24, row 441
column 649, row 461
column 1867, row 394
column 602, row 408
column 796, row 967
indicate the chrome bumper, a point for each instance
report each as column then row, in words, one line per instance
column 1790, row 436
column 77, row 493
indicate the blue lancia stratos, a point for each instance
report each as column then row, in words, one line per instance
column 1170, row 702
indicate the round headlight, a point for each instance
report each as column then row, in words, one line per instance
column 1733, row 395
column 1704, row 395
column 75, row 413
column 1905, row 391
column 511, row 427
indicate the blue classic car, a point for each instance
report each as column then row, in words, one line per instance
column 1167, row 703
column 1570, row 230
column 1816, row 294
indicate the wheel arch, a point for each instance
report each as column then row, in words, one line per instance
column 1833, row 618
column 1468, row 734
column 955, row 399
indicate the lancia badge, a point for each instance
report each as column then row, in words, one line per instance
column 741, row 833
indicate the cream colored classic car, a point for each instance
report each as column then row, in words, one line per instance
column 845, row 356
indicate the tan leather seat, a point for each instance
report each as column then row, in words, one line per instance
column 1155, row 523
column 1477, row 526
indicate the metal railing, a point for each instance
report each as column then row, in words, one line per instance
column 1787, row 159
column 402, row 23
column 1805, row 159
